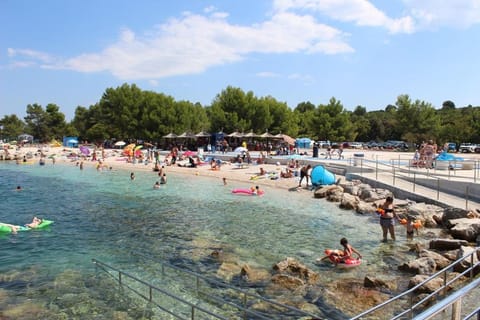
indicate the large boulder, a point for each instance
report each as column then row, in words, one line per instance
column 427, row 287
column 228, row 270
column 254, row 275
column 419, row 266
column 428, row 214
column 465, row 228
column 375, row 282
column 464, row 253
column 447, row 244
column 324, row 191
column 292, row 267
column 335, row 196
column 287, row 281
column 349, row 202
column 440, row 260
column 452, row 214
column 365, row 207
column 369, row 194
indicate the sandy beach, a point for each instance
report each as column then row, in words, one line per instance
column 247, row 174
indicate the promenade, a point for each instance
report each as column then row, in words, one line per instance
column 458, row 188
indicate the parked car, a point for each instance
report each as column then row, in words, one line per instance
column 451, row 147
column 477, row 149
column 356, row 145
column 467, row 147
column 323, row 144
column 372, row 144
column 395, row 144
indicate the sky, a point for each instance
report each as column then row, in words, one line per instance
column 361, row 52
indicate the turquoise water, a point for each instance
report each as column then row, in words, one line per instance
column 107, row 216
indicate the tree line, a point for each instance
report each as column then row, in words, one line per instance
column 127, row 112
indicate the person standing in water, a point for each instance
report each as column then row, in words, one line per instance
column 387, row 214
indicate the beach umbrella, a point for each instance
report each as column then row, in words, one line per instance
column 250, row 135
column 286, row 138
column 187, row 135
column 267, row 135
column 235, row 134
column 120, row 143
column 202, row 134
column 170, row 136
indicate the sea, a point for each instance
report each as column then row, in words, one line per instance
column 183, row 226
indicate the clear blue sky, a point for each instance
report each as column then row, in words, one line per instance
column 360, row 52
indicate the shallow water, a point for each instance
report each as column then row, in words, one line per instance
column 128, row 224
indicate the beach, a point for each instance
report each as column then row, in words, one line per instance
column 111, row 217
column 233, row 173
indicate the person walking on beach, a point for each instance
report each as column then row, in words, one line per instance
column 387, row 214
column 304, row 173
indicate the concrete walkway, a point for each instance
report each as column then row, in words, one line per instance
column 437, row 187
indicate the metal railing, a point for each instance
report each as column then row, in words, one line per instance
column 415, row 306
column 455, row 302
column 466, row 186
column 240, row 301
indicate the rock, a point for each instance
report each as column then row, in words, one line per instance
column 287, row 281
column 335, row 196
column 372, row 282
column 465, row 228
column 368, row 194
column 425, row 213
column 292, row 267
column 349, row 202
column 228, row 270
column 447, row 244
column 350, row 296
column 466, row 263
column 254, row 275
column 452, row 214
column 440, row 260
column 428, row 287
column 324, row 191
column 365, row 207
column 419, row 266
column 350, row 188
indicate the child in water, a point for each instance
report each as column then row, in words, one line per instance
column 411, row 227
column 348, row 250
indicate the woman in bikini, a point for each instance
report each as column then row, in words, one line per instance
column 386, row 219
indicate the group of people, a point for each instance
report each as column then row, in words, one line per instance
column 424, row 156
column 387, row 216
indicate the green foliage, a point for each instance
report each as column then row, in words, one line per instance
column 127, row 112
column 12, row 127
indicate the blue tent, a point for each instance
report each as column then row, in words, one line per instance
column 303, row 143
column 321, row 176
column 71, row 142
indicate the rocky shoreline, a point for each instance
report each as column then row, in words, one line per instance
column 448, row 234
